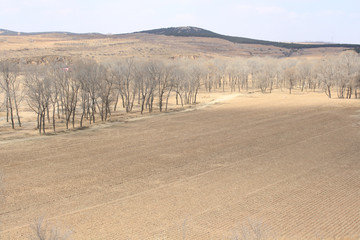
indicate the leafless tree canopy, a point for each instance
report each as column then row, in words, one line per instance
column 9, row 85
column 79, row 91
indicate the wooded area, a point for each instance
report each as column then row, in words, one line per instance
column 85, row 90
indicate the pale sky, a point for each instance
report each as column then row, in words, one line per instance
column 278, row 20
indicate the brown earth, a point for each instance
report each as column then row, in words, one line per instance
column 51, row 47
column 289, row 163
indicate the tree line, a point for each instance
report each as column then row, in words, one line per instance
column 83, row 90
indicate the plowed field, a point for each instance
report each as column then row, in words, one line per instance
column 289, row 164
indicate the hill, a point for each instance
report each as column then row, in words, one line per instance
column 194, row 32
column 188, row 42
column 5, row 32
column 199, row 32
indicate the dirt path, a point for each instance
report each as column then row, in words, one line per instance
column 288, row 163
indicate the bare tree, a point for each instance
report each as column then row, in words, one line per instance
column 152, row 76
column 357, row 84
column 104, row 86
column 80, row 73
column 233, row 75
column 10, row 85
column 38, row 89
column 69, row 89
column 287, row 74
column 87, row 74
column 238, row 73
column 327, row 69
column 270, row 69
column 64, row 88
column 124, row 76
column 197, row 74
column 210, row 80
column 145, row 85
column 265, row 75
column 179, row 77
column 290, row 76
column 348, row 64
column 51, row 72
column 254, row 67
column 159, row 74
column 220, row 72
column 43, row 231
column 94, row 74
column 165, row 84
column 243, row 76
column 305, row 72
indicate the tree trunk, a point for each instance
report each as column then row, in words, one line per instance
column 195, row 95
column 39, row 120
column 142, row 103
column 93, row 109
column 181, row 100
column 122, row 100
column 116, row 101
column 328, row 91
column 7, row 109
column 48, row 114
column 57, row 109
column 167, row 99
column 73, row 116
column 53, row 116
column 11, row 113
column 160, row 100
column 43, row 118
column 17, row 111
column 81, row 119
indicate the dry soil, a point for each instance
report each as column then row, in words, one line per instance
column 287, row 163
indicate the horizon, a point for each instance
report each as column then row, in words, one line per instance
column 276, row 20
column 109, row 34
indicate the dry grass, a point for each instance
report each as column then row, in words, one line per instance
column 32, row 48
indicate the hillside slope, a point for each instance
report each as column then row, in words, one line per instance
column 199, row 32
column 192, row 32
